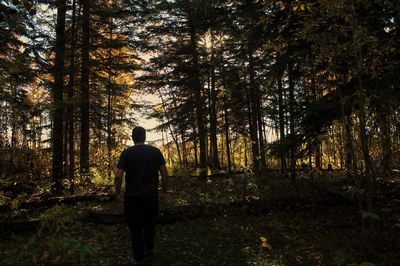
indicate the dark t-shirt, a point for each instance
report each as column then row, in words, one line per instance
column 141, row 164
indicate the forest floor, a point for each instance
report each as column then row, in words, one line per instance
column 228, row 221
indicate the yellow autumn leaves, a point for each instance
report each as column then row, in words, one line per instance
column 295, row 6
column 264, row 243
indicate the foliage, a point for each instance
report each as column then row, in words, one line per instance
column 51, row 244
column 179, row 172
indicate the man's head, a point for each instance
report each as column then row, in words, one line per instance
column 138, row 135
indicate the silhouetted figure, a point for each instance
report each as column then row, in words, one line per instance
column 141, row 164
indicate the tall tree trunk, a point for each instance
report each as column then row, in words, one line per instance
column 253, row 113
column 361, row 93
column 178, row 149
column 350, row 160
column 65, row 142
column 260, row 124
column 282, row 138
column 245, row 152
column 317, row 148
column 213, row 112
column 58, row 105
column 227, row 139
column 109, row 104
column 235, row 151
column 386, row 141
column 184, row 151
column 196, row 160
column 172, row 131
column 318, row 157
column 84, row 148
column 291, row 121
column 196, row 156
column 71, row 103
column 198, row 99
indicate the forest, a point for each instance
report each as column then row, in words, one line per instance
column 279, row 121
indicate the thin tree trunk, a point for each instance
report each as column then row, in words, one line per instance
column 350, row 160
column 245, row 152
column 361, row 93
column 213, row 112
column 253, row 113
column 317, row 148
column 196, row 156
column 291, row 122
column 227, row 139
column 198, row 99
column 84, row 148
column 109, row 104
column 282, row 138
column 196, row 160
column 71, row 103
column 174, row 134
column 184, row 152
column 58, row 105
column 386, row 141
column 235, row 151
column 65, row 143
column 260, row 129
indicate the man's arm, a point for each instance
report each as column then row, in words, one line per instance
column 164, row 178
column 119, row 173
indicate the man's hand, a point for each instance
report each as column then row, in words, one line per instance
column 119, row 173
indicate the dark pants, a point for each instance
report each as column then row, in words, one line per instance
column 141, row 215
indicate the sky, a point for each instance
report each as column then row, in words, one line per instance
column 143, row 121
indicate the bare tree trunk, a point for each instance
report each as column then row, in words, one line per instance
column 291, row 121
column 350, row 160
column 184, row 151
column 65, row 143
column 213, row 112
column 109, row 104
column 245, row 152
column 253, row 113
column 70, row 107
column 317, row 148
column 235, row 145
column 282, row 138
column 58, row 104
column 361, row 93
column 227, row 139
column 84, row 148
column 386, row 141
column 260, row 128
column 173, row 132
column 198, row 99
column 196, row 159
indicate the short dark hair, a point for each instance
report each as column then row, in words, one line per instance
column 138, row 134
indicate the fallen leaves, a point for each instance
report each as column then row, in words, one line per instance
column 264, row 243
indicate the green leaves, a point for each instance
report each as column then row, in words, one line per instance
column 369, row 215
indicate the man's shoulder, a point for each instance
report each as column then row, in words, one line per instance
column 127, row 149
column 140, row 149
column 152, row 148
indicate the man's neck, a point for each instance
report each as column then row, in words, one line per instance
column 138, row 143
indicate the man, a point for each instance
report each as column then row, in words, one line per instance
column 141, row 164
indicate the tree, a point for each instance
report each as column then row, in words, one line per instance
column 71, row 98
column 58, row 104
column 85, row 94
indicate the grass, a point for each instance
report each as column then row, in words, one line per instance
column 324, row 236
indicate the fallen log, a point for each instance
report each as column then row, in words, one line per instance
column 184, row 213
column 49, row 202
column 219, row 175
